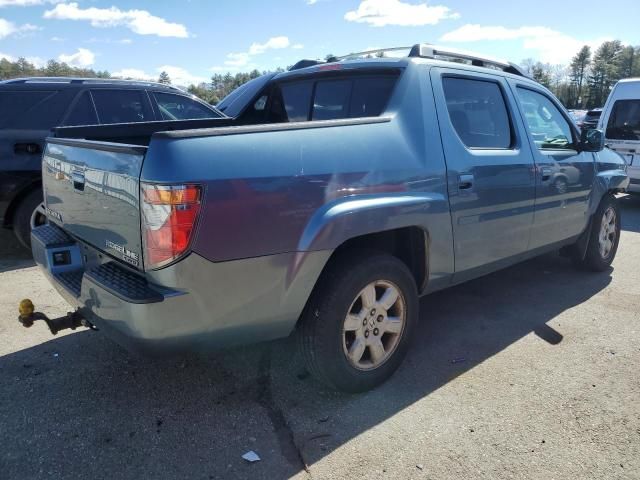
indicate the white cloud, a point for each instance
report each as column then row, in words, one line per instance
column 133, row 73
column 550, row 46
column 25, row 3
column 312, row 2
column 178, row 75
column 36, row 61
column 243, row 60
column 272, row 43
column 237, row 59
column 82, row 58
column 138, row 21
column 8, row 28
column 379, row 13
column 7, row 57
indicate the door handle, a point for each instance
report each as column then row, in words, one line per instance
column 546, row 174
column 78, row 181
column 465, row 181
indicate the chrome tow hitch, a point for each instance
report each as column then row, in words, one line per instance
column 71, row 320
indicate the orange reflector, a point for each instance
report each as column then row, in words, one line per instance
column 171, row 195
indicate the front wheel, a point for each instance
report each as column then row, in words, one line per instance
column 356, row 328
column 604, row 236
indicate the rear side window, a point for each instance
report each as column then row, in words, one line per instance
column 179, row 107
column 16, row 106
column 478, row 113
column 624, row 121
column 370, row 96
column 82, row 113
column 121, row 106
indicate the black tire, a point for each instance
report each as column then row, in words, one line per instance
column 22, row 217
column 594, row 259
column 322, row 340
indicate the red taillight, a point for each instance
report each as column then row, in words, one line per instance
column 169, row 214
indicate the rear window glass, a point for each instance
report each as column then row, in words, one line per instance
column 478, row 112
column 82, row 113
column 16, row 105
column 591, row 116
column 121, row 106
column 624, row 121
column 332, row 99
column 296, row 100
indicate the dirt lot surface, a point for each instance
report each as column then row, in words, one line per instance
column 532, row 372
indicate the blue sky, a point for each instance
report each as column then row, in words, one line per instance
column 191, row 39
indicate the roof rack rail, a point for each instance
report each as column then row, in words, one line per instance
column 88, row 81
column 426, row 50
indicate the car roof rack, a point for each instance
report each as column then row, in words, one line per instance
column 426, row 50
column 75, row 80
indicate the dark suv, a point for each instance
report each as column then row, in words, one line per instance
column 31, row 107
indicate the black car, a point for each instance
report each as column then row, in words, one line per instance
column 591, row 118
column 31, row 107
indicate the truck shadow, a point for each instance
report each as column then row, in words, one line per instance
column 80, row 394
column 13, row 256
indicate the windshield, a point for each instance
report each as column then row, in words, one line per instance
column 624, row 121
column 592, row 116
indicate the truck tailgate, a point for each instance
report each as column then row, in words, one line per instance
column 92, row 190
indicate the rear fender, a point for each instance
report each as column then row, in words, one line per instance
column 358, row 215
column 354, row 216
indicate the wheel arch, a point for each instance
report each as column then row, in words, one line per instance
column 18, row 199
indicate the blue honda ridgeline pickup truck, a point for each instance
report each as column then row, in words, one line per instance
column 330, row 199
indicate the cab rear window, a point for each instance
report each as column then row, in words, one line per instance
column 323, row 99
column 624, row 121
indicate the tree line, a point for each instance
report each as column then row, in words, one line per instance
column 23, row 68
column 587, row 80
column 584, row 83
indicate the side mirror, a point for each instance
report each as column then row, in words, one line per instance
column 591, row 140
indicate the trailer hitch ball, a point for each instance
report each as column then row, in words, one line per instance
column 72, row 320
column 26, row 309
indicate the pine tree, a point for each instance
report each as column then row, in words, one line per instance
column 579, row 68
column 604, row 72
column 164, row 78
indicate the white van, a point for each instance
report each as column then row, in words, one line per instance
column 620, row 121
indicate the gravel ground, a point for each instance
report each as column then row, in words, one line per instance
column 531, row 372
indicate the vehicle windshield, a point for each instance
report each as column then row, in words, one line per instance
column 592, row 116
column 624, row 121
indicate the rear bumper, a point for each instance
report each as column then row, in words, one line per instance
column 194, row 305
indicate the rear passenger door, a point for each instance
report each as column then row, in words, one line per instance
column 564, row 176
column 490, row 169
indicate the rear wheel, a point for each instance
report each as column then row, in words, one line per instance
column 604, row 236
column 29, row 214
column 356, row 328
